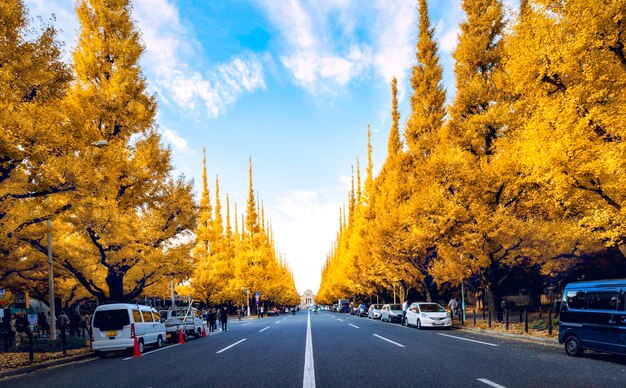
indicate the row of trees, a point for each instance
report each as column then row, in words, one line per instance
column 234, row 263
column 522, row 171
column 80, row 156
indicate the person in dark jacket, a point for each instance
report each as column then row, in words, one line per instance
column 224, row 319
column 212, row 319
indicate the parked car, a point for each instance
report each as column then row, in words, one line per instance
column 421, row 314
column 391, row 312
column 186, row 320
column 361, row 311
column 344, row 308
column 593, row 317
column 374, row 311
column 115, row 327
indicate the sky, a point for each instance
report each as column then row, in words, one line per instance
column 292, row 84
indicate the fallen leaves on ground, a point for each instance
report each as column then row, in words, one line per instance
column 10, row 361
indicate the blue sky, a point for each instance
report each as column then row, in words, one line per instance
column 292, row 84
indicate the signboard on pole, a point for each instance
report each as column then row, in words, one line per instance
column 21, row 300
column 256, row 297
column 1, row 293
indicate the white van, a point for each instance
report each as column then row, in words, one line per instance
column 115, row 326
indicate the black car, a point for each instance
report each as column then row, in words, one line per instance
column 361, row 311
column 344, row 308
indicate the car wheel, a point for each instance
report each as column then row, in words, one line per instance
column 198, row 333
column 573, row 347
column 159, row 343
column 418, row 324
column 141, row 346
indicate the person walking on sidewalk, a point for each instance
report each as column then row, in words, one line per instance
column 22, row 331
column 224, row 319
column 405, row 307
column 453, row 304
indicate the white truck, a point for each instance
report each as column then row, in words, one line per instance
column 182, row 319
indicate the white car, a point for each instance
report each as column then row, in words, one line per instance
column 374, row 311
column 115, row 327
column 422, row 314
column 391, row 312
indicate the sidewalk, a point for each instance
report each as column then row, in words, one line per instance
column 521, row 337
column 45, row 364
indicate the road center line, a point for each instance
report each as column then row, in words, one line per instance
column 308, row 381
column 354, row 325
column 263, row 329
column 340, row 319
column 153, row 351
column 491, row 383
column 467, row 339
column 277, row 322
column 228, row 347
column 246, row 323
column 390, row 341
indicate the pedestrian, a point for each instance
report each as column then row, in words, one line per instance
column 239, row 313
column 85, row 325
column 22, row 331
column 405, row 306
column 74, row 323
column 12, row 324
column 41, row 324
column 224, row 319
column 453, row 305
column 63, row 322
column 219, row 316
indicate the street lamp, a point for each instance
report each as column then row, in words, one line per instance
column 247, row 298
column 53, row 323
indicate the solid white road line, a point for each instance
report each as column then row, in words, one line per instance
column 265, row 328
column 388, row 340
column 491, row 383
column 228, row 347
column 354, row 325
column 308, row 381
column 154, row 351
column 467, row 339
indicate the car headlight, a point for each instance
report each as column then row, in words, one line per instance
column 447, row 315
column 424, row 315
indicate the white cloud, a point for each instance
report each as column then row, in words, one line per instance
column 325, row 46
column 179, row 144
column 169, row 49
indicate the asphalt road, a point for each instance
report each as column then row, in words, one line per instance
column 343, row 351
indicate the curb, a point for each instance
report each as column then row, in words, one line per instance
column 43, row 365
column 526, row 338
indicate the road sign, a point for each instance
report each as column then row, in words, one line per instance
column 20, row 300
column 1, row 293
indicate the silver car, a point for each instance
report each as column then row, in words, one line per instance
column 374, row 311
column 391, row 312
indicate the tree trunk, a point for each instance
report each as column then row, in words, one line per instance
column 427, row 294
column 115, row 282
column 495, row 300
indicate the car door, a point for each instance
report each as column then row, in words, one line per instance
column 149, row 327
column 602, row 321
column 411, row 314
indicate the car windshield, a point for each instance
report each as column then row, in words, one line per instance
column 111, row 319
column 395, row 307
column 431, row 308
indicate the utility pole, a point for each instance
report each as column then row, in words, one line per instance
column 53, row 321
column 172, row 292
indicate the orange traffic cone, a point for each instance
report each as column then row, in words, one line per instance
column 136, row 352
column 181, row 340
column 203, row 331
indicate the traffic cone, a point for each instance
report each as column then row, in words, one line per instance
column 203, row 331
column 136, row 352
column 181, row 340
